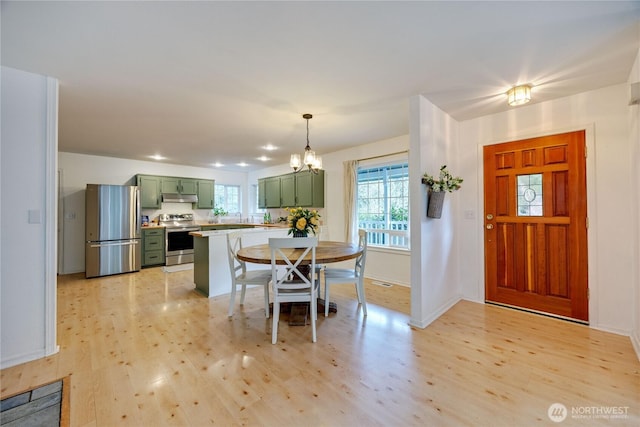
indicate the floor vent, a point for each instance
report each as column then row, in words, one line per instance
column 386, row 285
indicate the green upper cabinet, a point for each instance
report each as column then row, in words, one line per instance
column 149, row 191
column 288, row 191
column 262, row 197
column 188, row 186
column 310, row 189
column 205, row 194
column 272, row 192
column 179, row 185
column 152, row 188
column 170, row 185
column 292, row 190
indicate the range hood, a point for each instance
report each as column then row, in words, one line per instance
column 179, row 198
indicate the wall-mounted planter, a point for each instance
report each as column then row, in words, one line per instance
column 443, row 183
column 435, row 201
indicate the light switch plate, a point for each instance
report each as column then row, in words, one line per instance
column 35, row 216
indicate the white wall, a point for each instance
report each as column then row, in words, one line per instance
column 78, row 170
column 28, row 217
column 385, row 265
column 634, row 142
column 612, row 199
column 435, row 257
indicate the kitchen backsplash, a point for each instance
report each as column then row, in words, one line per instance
column 202, row 215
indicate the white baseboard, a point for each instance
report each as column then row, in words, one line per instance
column 635, row 342
column 387, row 280
column 423, row 323
column 22, row 358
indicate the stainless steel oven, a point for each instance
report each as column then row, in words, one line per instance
column 178, row 241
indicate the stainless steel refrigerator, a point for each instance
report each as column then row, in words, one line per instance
column 112, row 230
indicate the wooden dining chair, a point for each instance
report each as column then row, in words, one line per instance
column 240, row 276
column 290, row 282
column 353, row 275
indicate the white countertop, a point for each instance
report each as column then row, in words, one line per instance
column 209, row 233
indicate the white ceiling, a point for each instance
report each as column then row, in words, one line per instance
column 204, row 82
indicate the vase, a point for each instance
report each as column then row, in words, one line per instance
column 299, row 233
column 435, row 201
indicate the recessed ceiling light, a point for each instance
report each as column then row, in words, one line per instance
column 243, row 164
column 217, row 164
column 264, row 158
column 157, row 157
column 270, row 147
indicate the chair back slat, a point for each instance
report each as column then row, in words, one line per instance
column 234, row 244
column 240, row 276
column 293, row 277
column 362, row 258
column 297, row 284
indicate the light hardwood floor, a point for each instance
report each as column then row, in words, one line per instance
column 146, row 350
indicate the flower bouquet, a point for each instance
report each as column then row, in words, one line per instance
column 437, row 188
column 445, row 181
column 302, row 221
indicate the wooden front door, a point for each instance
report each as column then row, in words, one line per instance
column 535, row 220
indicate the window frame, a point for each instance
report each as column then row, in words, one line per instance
column 222, row 201
column 395, row 234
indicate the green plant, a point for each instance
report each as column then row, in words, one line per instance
column 445, row 181
column 218, row 211
column 399, row 214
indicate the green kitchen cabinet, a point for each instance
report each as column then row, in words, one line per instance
column 262, row 198
column 272, row 192
column 310, row 189
column 153, row 246
column 188, row 186
column 179, row 185
column 303, row 189
column 170, row 185
column 288, row 191
column 206, row 194
column 150, row 196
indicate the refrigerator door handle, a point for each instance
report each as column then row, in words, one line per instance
column 138, row 211
column 102, row 245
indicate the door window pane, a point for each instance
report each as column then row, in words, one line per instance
column 530, row 195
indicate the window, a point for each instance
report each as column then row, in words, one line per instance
column 530, row 195
column 228, row 198
column 256, row 200
column 383, row 204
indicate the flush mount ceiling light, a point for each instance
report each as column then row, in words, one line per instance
column 309, row 159
column 519, row 95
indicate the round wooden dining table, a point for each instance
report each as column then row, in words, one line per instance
column 326, row 253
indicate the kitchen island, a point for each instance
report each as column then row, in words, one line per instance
column 211, row 273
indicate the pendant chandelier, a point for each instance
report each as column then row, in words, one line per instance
column 309, row 158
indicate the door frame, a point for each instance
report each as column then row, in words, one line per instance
column 592, row 245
